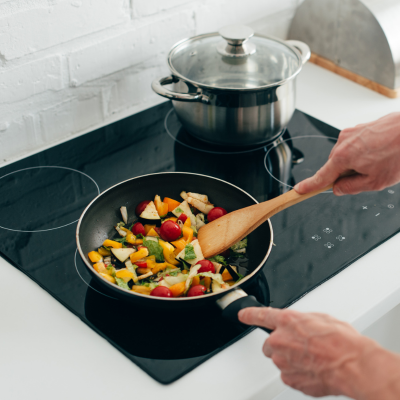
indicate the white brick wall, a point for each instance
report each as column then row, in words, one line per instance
column 68, row 66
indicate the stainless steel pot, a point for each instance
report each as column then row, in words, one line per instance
column 234, row 87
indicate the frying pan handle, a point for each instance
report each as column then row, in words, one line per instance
column 231, row 311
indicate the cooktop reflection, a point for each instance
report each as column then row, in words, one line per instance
column 42, row 196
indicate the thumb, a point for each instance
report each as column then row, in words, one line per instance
column 260, row 316
column 353, row 184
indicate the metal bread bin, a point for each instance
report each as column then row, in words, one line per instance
column 357, row 39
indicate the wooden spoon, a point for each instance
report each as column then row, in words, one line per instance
column 224, row 232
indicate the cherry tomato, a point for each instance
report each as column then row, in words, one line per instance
column 215, row 213
column 197, row 290
column 206, row 266
column 170, row 231
column 157, row 230
column 140, row 246
column 141, row 206
column 141, row 264
column 225, row 253
column 183, row 218
column 138, row 229
column 161, row 291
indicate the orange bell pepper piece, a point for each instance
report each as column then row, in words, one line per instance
column 95, row 257
column 226, row 276
column 172, row 204
column 147, row 228
column 207, row 282
column 152, row 232
column 141, row 289
column 179, row 244
column 108, row 277
column 178, row 289
column 100, row 268
column 188, row 222
column 141, row 253
column 187, row 234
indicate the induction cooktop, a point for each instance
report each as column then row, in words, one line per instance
column 43, row 196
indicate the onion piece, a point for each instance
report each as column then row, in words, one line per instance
column 124, row 213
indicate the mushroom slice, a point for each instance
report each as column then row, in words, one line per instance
column 201, row 197
column 204, row 208
column 124, row 213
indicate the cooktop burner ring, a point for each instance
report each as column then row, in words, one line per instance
column 91, row 287
column 288, row 140
column 247, row 150
column 48, row 166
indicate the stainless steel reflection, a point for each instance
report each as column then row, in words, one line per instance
column 234, row 100
column 237, row 118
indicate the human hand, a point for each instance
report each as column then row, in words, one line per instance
column 320, row 355
column 372, row 150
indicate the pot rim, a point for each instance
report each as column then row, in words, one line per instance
column 191, row 39
column 125, row 292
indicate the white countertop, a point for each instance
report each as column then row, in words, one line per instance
column 46, row 352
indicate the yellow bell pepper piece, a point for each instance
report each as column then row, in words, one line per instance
column 188, row 222
column 141, row 289
column 130, row 238
column 112, row 243
column 187, row 234
column 141, row 253
column 174, row 219
column 151, row 258
column 108, row 277
column 104, row 252
column 196, row 281
column 147, row 228
column 226, row 276
column 95, row 257
column 124, row 273
column 125, row 229
column 138, row 241
column 152, row 232
column 168, row 252
column 100, row 268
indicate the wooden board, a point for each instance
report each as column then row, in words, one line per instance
column 331, row 66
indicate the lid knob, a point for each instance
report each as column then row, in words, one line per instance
column 236, row 36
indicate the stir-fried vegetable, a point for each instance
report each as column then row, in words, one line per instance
column 159, row 255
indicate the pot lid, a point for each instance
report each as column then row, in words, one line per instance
column 234, row 58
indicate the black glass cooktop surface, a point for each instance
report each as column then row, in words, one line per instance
column 42, row 196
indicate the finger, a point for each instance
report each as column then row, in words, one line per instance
column 260, row 316
column 267, row 349
column 326, row 175
column 352, row 185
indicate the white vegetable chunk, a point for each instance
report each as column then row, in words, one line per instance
column 199, row 221
column 204, row 208
column 184, row 208
column 217, row 266
column 193, row 272
column 150, row 212
column 197, row 251
column 123, row 253
column 124, row 213
column 145, row 276
column 120, row 231
column 201, row 197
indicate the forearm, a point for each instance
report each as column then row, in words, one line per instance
column 375, row 375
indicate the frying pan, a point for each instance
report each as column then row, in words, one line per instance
column 99, row 218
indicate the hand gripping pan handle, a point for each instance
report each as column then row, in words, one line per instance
column 235, row 301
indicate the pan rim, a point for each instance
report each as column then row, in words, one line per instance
column 124, row 291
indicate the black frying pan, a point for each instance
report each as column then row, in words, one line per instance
column 98, row 219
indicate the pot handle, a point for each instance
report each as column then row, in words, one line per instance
column 157, row 86
column 303, row 49
column 235, row 301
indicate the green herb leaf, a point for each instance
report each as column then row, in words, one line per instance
column 178, row 209
column 122, row 283
column 189, row 252
column 242, row 244
column 120, row 240
column 218, row 259
column 140, row 236
column 240, row 277
column 155, row 249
